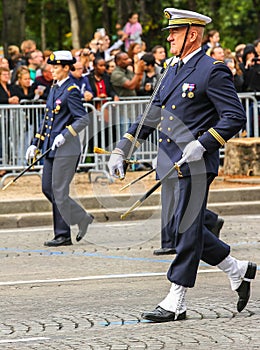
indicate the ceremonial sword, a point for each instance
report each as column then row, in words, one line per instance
column 26, row 169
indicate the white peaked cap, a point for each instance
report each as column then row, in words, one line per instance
column 180, row 18
column 61, row 57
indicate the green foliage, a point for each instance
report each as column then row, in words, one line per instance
column 57, row 22
column 236, row 20
column 233, row 22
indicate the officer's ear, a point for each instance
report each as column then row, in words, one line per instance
column 196, row 33
column 193, row 34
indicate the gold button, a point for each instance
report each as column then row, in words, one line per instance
column 169, row 129
column 45, row 134
column 171, row 118
column 160, row 129
column 168, row 140
column 51, row 119
column 50, row 127
column 173, row 106
column 47, row 109
column 160, row 140
column 48, row 135
column 46, row 125
column 163, row 106
column 162, row 118
column 47, row 117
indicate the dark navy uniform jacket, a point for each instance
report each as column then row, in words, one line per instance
column 199, row 102
column 65, row 114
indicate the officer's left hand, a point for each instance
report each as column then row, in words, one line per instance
column 116, row 164
column 30, row 153
column 193, row 151
column 58, row 141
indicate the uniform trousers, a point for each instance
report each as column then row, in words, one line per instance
column 193, row 240
column 57, row 175
column 167, row 223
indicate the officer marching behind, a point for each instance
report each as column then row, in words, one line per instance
column 65, row 117
column 196, row 110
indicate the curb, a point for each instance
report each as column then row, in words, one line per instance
column 37, row 212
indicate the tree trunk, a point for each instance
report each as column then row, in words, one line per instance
column 105, row 15
column 256, row 4
column 13, row 22
column 43, row 28
column 74, row 23
column 119, row 7
column 192, row 5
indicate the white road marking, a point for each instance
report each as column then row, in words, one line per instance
column 22, row 340
column 26, row 229
column 47, row 228
column 98, row 277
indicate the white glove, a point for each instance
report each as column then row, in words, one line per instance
column 116, row 163
column 154, row 162
column 30, row 152
column 193, row 152
column 58, row 141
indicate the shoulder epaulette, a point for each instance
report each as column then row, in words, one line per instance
column 216, row 62
column 72, row 87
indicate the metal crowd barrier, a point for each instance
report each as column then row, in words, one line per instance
column 109, row 120
column 116, row 117
column 252, row 108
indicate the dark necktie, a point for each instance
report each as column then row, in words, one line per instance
column 180, row 64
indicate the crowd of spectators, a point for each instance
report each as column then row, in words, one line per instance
column 116, row 70
column 244, row 63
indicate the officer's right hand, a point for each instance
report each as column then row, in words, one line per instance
column 116, row 163
column 30, row 153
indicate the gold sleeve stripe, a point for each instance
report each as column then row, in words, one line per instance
column 72, row 87
column 71, row 130
column 131, row 138
column 39, row 136
column 216, row 62
column 216, row 135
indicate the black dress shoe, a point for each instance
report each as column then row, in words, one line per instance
column 218, row 226
column 83, row 226
column 244, row 288
column 161, row 315
column 56, row 242
column 164, row 251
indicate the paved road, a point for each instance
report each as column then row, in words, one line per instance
column 90, row 295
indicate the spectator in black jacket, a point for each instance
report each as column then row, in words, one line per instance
column 150, row 76
column 7, row 96
column 251, row 69
column 100, row 83
column 23, row 87
column 7, row 91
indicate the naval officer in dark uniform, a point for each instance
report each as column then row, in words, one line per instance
column 65, row 117
column 196, row 110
